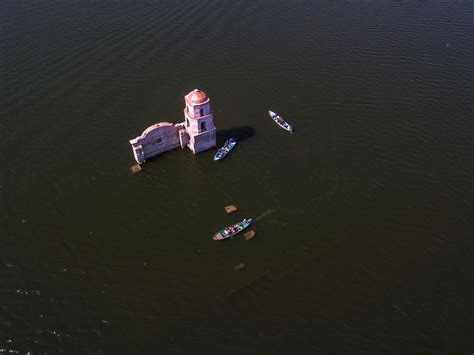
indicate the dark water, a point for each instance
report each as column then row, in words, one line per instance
column 364, row 215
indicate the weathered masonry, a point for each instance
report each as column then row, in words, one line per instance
column 197, row 132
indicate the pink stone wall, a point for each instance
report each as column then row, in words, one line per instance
column 195, row 124
column 183, row 137
column 197, row 132
column 203, row 141
column 200, row 126
column 155, row 140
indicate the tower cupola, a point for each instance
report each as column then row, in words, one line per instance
column 199, row 122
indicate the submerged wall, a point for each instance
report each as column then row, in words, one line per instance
column 156, row 139
column 197, row 132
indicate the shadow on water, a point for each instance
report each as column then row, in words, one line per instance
column 239, row 133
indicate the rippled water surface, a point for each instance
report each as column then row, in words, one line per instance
column 364, row 216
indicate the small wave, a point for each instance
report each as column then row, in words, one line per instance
column 264, row 214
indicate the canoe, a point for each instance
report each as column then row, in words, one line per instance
column 280, row 121
column 232, row 230
column 226, row 148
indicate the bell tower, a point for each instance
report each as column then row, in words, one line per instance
column 199, row 123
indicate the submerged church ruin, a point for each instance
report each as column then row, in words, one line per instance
column 197, row 132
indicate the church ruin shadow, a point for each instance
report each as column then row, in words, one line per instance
column 239, row 133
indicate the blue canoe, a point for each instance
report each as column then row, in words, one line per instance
column 232, row 230
column 226, row 148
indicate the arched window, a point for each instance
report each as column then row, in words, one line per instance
column 203, row 126
column 187, row 122
column 201, row 112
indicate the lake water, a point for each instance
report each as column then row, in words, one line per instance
column 364, row 216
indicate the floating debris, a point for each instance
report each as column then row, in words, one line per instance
column 249, row 235
column 239, row 267
column 230, row 208
column 135, row 168
column 30, row 292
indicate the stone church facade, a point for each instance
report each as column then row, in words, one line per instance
column 197, row 132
